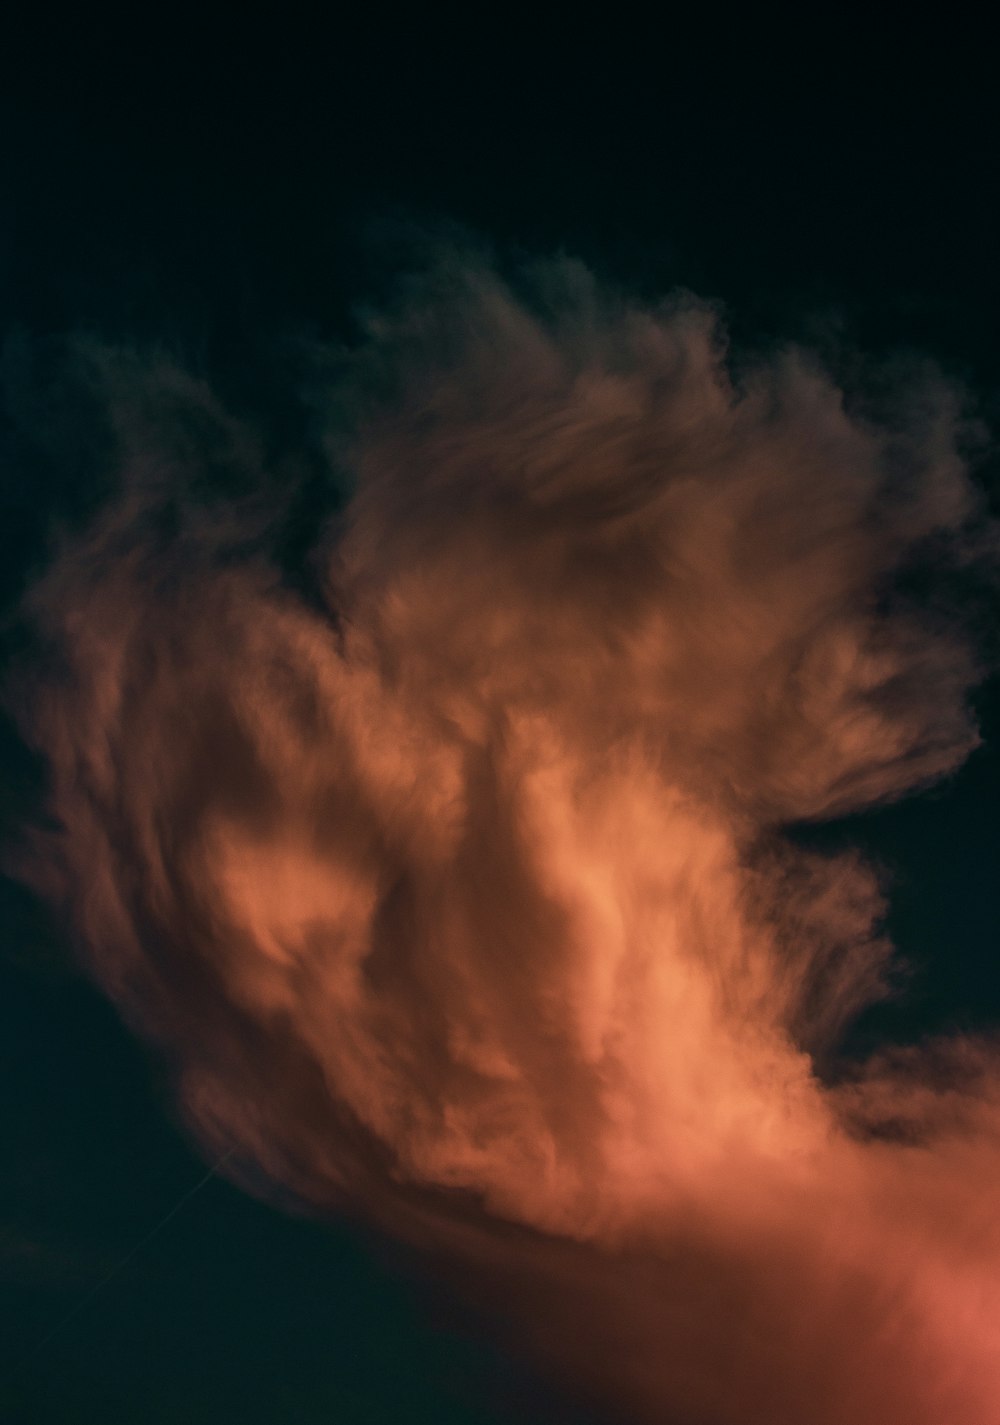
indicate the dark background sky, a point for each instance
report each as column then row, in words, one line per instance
column 216, row 184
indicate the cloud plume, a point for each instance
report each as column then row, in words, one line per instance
column 461, row 896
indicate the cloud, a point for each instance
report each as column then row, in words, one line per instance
column 462, row 898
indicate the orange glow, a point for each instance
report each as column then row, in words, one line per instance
column 483, row 886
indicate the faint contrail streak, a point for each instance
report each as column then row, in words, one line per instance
column 121, row 1264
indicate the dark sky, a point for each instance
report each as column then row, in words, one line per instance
column 217, row 185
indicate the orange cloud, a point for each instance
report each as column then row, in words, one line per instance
column 467, row 903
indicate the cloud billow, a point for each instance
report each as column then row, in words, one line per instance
column 461, row 897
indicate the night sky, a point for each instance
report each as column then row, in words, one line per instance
column 225, row 189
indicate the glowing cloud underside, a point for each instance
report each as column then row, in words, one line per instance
column 467, row 901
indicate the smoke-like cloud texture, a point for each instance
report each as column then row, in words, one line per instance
column 462, row 896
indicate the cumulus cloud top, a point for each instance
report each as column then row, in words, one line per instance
column 471, row 887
